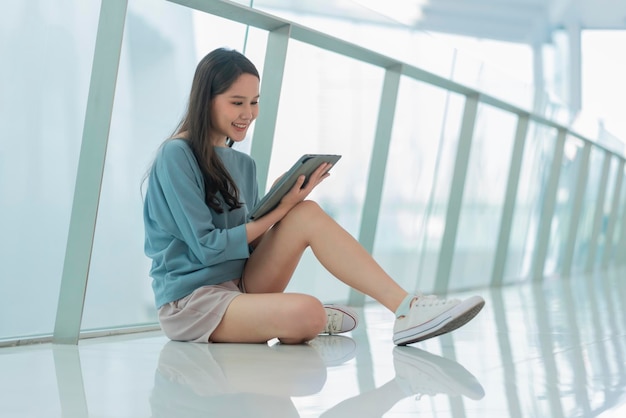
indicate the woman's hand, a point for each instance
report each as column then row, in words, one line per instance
column 255, row 229
column 300, row 191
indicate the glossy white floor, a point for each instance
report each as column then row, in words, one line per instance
column 552, row 350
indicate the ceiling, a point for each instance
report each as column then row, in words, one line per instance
column 524, row 21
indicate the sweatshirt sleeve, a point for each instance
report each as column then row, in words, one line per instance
column 178, row 207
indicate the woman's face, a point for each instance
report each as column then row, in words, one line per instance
column 233, row 111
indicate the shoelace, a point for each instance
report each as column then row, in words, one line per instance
column 333, row 323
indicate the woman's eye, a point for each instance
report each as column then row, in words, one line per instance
column 255, row 103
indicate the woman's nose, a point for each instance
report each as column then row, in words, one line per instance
column 247, row 113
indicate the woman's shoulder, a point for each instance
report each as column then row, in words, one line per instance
column 175, row 146
column 174, row 153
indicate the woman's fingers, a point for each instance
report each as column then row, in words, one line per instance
column 300, row 191
column 319, row 174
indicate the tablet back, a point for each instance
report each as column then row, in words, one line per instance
column 306, row 165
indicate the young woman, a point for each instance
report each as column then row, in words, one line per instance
column 219, row 276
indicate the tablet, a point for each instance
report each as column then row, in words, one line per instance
column 306, row 165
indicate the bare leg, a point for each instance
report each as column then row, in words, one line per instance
column 257, row 318
column 264, row 312
column 273, row 262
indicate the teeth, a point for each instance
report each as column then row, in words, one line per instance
column 239, row 125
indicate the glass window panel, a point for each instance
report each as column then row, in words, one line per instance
column 483, row 197
column 440, row 192
column 619, row 224
column 602, row 79
column 421, row 156
column 559, row 230
column 510, row 80
column 585, row 226
column 161, row 48
column 47, row 51
column 538, row 152
column 329, row 104
column 606, row 211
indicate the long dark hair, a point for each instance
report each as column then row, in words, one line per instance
column 215, row 73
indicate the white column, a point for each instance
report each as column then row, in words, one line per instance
column 574, row 96
column 538, row 79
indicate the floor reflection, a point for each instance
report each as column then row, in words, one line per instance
column 417, row 374
column 234, row 379
column 260, row 380
column 570, row 362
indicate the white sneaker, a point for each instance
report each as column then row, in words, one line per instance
column 430, row 316
column 340, row 319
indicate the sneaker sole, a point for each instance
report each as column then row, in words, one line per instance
column 442, row 324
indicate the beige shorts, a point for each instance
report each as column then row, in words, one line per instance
column 195, row 317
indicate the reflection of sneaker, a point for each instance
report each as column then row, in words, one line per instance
column 423, row 373
column 340, row 319
column 430, row 316
column 334, row 349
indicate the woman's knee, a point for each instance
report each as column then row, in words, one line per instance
column 308, row 318
column 306, row 212
column 307, row 207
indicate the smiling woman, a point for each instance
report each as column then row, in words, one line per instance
column 219, row 275
column 233, row 111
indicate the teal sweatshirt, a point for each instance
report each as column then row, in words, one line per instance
column 190, row 244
